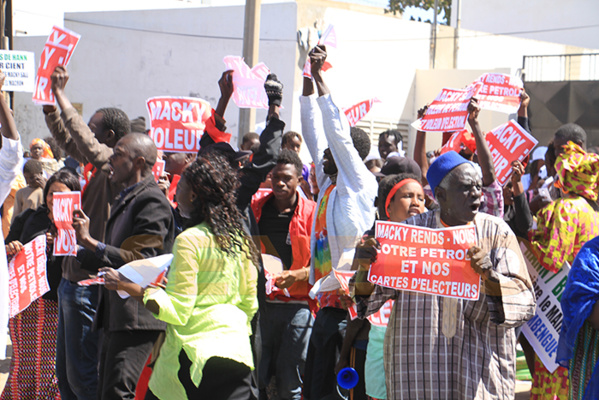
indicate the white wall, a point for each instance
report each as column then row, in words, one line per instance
column 559, row 21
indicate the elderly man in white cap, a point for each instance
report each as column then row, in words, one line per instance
column 447, row 348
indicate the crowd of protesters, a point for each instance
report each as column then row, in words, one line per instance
column 251, row 307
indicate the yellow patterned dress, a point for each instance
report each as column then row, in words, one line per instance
column 563, row 227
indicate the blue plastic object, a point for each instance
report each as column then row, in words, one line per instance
column 347, row 378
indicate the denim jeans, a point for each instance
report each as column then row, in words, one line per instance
column 286, row 330
column 77, row 346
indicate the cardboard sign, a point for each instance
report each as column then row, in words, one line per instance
column 248, row 82
column 508, row 142
column 65, row 243
column 27, row 278
column 449, row 110
column 66, row 38
column 423, row 260
column 52, row 56
column 19, row 69
column 356, row 112
column 58, row 50
column 177, row 123
column 542, row 331
column 158, row 169
column 499, row 92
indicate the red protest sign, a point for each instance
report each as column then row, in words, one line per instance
column 508, row 142
column 66, row 38
column 27, row 275
column 432, row 261
column 158, row 169
column 381, row 317
column 52, row 56
column 454, row 143
column 449, row 110
column 356, row 112
column 499, row 92
column 65, row 243
column 177, row 123
column 249, row 83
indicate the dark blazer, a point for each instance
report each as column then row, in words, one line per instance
column 140, row 226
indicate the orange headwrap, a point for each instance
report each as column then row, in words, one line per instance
column 47, row 150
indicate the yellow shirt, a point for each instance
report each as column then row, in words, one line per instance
column 208, row 303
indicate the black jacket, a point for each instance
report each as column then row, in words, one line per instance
column 140, row 226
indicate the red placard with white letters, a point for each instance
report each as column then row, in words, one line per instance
column 65, row 243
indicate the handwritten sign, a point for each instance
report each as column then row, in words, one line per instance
column 19, row 69
column 449, row 110
column 542, row 331
column 177, row 123
column 423, row 260
column 508, row 142
column 58, row 50
column 27, row 278
column 248, row 82
column 358, row 111
column 65, row 243
column 499, row 92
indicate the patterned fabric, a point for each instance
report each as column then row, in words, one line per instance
column 32, row 368
column 322, row 252
column 578, row 345
column 578, row 171
column 585, row 360
column 479, row 362
column 563, row 227
column 547, row 385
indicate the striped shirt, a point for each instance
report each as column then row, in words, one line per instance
column 479, row 362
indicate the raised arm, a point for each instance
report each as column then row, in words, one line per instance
column 11, row 154
column 89, row 147
column 312, row 129
column 353, row 176
column 523, row 111
column 482, row 150
column 420, row 148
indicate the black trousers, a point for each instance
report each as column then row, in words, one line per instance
column 123, row 357
column 222, row 379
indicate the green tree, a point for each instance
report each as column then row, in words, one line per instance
column 396, row 6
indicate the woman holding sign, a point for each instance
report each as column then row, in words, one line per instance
column 33, row 331
column 399, row 198
column 210, row 297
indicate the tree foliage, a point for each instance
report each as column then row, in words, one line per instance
column 396, row 6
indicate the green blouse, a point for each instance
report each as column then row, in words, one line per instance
column 209, row 302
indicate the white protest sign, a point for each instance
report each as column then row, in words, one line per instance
column 542, row 331
column 19, row 69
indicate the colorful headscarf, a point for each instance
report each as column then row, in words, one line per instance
column 47, row 154
column 578, row 171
